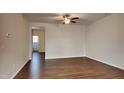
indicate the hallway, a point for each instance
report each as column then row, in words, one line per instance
column 68, row 68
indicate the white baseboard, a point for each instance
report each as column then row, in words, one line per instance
column 19, row 69
column 106, row 62
column 64, row 57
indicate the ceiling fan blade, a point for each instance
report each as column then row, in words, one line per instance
column 63, row 23
column 73, row 21
column 74, row 18
column 64, row 16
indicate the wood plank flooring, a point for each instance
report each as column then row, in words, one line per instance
column 68, row 68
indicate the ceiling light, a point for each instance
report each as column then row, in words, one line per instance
column 66, row 20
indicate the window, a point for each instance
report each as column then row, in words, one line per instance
column 35, row 39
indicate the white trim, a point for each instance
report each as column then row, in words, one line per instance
column 106, row 63
column 19, row 69
column 64, row 57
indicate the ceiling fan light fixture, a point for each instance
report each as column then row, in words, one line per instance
column 66, row 20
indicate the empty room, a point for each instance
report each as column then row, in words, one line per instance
column 61, row 46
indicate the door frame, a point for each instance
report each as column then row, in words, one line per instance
column 31, row 26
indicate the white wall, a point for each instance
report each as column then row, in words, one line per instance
column 14, row 52
column 42, row 41
column 105, row 40
column 63, row 40
column 0, row 38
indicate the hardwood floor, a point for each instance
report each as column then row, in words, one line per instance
column 68, row 68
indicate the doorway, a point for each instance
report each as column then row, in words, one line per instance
column 38, row 43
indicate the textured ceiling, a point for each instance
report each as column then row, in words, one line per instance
column 84, row 18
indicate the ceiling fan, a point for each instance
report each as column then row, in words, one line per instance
column 67, row 19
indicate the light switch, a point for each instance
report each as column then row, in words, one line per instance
column 8, row 35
